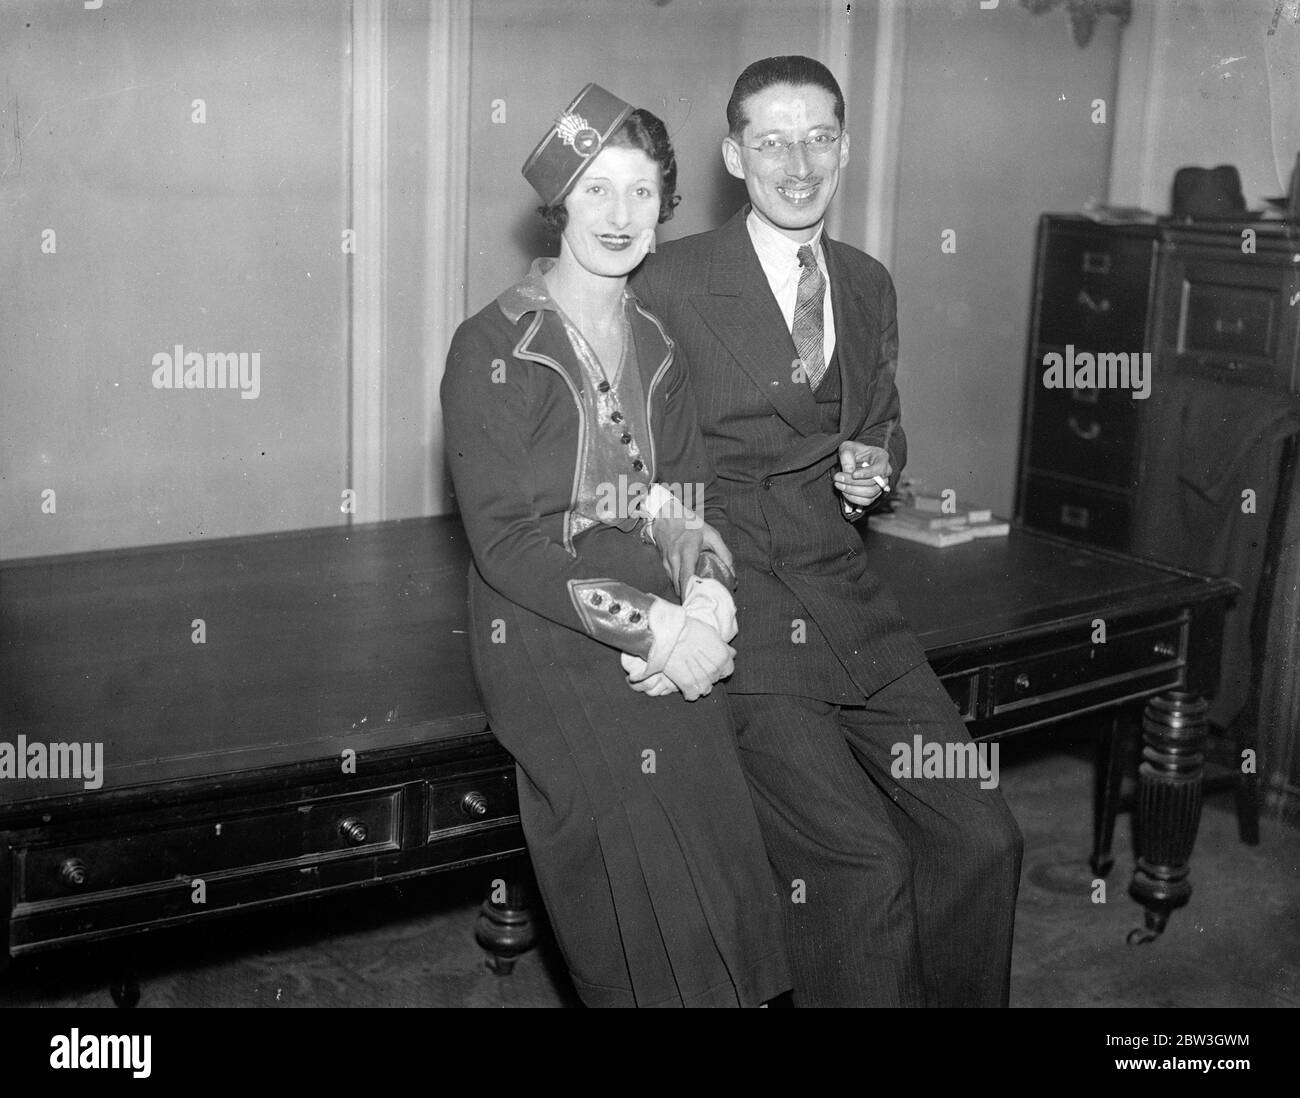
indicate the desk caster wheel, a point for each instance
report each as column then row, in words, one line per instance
column 500, row 966
column 1153, row 925
column 125, row 991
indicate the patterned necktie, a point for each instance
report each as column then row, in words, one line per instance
column 808, row 329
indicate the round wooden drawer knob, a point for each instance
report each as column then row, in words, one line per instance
column 354, row 831
column 474, row 804
column 73, row 873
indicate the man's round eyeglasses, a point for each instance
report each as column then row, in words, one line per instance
column 777, row 148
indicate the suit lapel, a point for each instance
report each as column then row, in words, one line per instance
column 740, row 310
column 852, row 334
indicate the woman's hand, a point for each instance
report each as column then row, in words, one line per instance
column 698, row 660
column 657, row 685
column 709, row 604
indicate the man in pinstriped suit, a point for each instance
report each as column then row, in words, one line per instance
column 902, row 889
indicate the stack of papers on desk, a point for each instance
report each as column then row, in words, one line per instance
column 932, row 521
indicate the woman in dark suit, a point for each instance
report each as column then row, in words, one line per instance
column 574, row 450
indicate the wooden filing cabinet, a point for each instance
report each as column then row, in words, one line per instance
column 1093, row 291
column 1188, row 295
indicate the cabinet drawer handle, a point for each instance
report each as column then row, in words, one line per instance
column 1224, row 328
column 1022, row 682
column 1074, row 516
column 1096, row 263
column 354, row 831
column 1088, row 434
column 1164, row 648
column 73, row 873
column 474, row 804
column 1101, row 305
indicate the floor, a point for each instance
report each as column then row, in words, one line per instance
column 1236, row 944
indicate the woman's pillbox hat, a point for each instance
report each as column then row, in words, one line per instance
column 573, row 140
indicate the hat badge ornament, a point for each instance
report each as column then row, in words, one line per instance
column 576, row 133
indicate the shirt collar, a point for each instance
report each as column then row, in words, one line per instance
column 774, row 248
column 530, row 295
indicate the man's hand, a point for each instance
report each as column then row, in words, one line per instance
column 860, row 464
column 680, row 536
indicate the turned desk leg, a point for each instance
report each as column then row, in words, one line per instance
column 1112, row 751
column 1174, row 728
column 505, row 925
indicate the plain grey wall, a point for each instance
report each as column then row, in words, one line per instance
column 222, row 236
column 996, row 129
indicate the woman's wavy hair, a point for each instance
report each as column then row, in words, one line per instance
column 640, row 130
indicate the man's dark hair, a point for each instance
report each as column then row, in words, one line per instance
column 794, row 70
column 640, row 130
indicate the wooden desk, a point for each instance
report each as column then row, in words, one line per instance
column 326, row 733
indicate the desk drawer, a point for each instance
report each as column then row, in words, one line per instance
column 472, row 801
column 1073, row 511
column 309, row 831
column 1033, row 680
column 1229, row 320
column 1090, row 434
column 1095, row 290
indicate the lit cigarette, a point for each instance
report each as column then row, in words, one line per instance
column 884, row 484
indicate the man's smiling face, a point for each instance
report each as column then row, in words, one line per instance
column 789, row 190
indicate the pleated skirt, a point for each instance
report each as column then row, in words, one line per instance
column 638, row 820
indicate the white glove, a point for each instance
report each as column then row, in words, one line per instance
column 654, row 685
column 698, row 660
column 707, row 602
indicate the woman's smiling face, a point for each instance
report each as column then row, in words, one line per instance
column 612, row 212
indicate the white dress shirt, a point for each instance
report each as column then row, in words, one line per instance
column 779, row 256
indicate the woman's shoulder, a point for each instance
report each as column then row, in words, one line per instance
column 489, row 328
column 487, row 320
